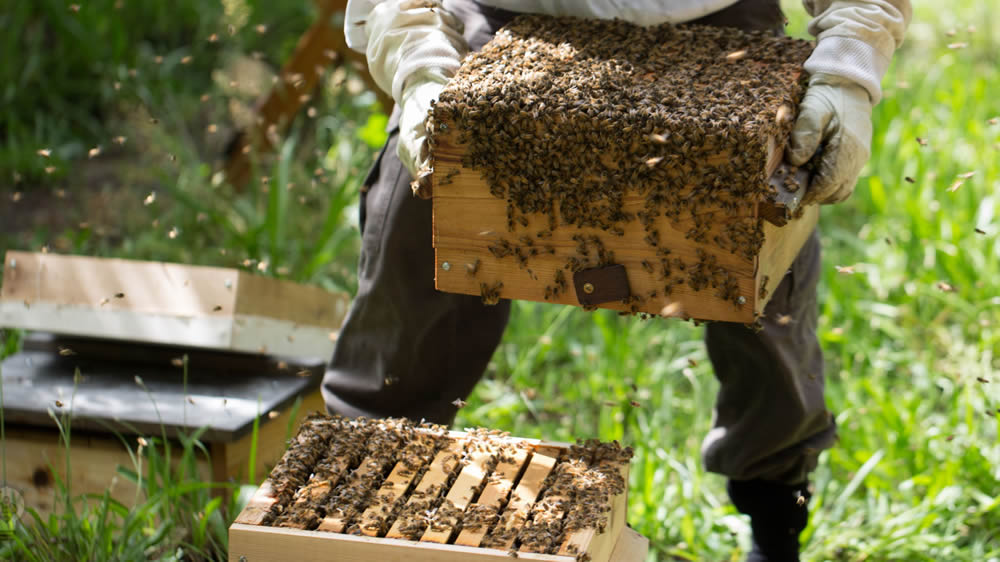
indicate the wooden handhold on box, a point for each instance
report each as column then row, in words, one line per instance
column 567, row 147
column 601, row 284
column 166, row 303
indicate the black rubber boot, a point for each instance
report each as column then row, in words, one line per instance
column 778, row 513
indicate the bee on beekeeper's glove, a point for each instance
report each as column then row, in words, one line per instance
column 856, row 40
column 413, row 48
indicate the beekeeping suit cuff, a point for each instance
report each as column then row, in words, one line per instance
column 422, row 89
column 834, row 130
column 856, row 39
column 401, row 38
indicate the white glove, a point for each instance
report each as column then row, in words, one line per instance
column 413, row 48
column 835, row 119
column 411, row 147
column 855, row 42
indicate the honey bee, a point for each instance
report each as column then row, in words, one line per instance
column 945, row 287
column 472, row 268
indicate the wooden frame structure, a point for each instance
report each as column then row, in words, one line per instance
column 516, row 484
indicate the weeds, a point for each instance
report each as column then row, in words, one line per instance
column 176, row 514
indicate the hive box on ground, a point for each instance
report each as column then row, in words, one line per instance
column 166, row 303
column 601, row 164
column 380, row 490
column 114, row 394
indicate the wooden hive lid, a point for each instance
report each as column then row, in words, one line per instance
column 168, row 303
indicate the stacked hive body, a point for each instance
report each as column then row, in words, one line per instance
column 568, row 146
column 382, row 490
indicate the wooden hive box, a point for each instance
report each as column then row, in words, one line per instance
column 377, row 490
column 165, row 303
column 242, row 406
column 601, row 164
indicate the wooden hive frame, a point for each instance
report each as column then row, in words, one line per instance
column 480, row 249
column 458, row 476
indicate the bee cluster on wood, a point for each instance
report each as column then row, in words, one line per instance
column 566, row 118
column 335, row 468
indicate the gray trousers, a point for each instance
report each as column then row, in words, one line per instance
column 406, row 349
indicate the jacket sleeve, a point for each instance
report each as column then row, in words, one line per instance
column 856, row 38
column 401, row 38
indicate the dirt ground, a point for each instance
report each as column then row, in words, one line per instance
column 102, row 196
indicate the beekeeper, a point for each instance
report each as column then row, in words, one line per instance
column 407, row 350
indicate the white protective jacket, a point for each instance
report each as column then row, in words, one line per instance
column 856, row 37
column 414, row 46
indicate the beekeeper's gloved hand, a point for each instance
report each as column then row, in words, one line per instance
column 413, row 48
column 835, row 122
column 856, row 40
column 421, row 90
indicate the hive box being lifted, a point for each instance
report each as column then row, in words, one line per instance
column 385, row 490
column 167, row 303
column 598, row 163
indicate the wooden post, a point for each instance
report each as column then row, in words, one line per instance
column 321, row 46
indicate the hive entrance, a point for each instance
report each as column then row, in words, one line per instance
column 392, row 479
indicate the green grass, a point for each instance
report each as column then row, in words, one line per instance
column 174, row 515
column 908, row 338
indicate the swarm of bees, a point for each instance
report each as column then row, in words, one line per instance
column 298, row 462
column 563, row 118
column 578, row 495
column 335, row 467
